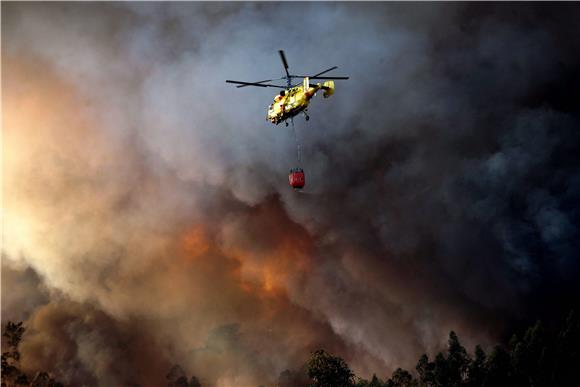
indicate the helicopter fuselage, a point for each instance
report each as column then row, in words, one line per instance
column 294, row 99
column 290, row 102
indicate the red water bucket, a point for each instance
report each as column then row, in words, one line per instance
column 296, row 178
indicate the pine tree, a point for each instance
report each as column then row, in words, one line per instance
column 425, row 370
column 441, row 371
column 498, row 368
column 567, row 353
column 529, row 357
column 477, row 370
column 401, row 378
column 457, row 361
column 375, row 382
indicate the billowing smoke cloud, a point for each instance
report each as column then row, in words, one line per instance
column 148, row 219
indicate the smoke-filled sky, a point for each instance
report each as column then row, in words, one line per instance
column 148, row 219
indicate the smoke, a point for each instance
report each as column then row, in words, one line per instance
column 148, row 220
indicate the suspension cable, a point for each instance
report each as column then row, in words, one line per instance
column 298, row 150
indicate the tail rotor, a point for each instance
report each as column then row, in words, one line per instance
column 328, row 88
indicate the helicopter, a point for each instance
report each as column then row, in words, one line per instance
column 294, row 98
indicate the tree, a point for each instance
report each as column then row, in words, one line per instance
column 457, row 361
column 194, row 382
column 11, row 373
column 13, row 333
column 476, row 370
column 178, row 378
column 360, row 382
column 441, row 371
column 498, row 368
column 401, row 378
column 425, row 370
column 527, row 357
column 326, row 370
column 43, row 379
column 567, row 353
column 375, row 382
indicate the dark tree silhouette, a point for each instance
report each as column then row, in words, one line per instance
column 178, row 378
column 528, row 358
column 11, row 373
column 567, row 353
column 476, row 371
column 539, row 359
column 326, row 370
column 194, row 382
column 375, row 382
column 425, row 369
column 498, row 368
column 457, row 361
column 441, row 371
column 401, row 378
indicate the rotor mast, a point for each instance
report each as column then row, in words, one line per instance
column 285, row 64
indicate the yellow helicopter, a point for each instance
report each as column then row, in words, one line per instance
column 293, row 99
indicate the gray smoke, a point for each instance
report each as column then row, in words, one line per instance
column 146, row 200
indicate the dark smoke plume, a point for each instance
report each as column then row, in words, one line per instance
column 148, row 220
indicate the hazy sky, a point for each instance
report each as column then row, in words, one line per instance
column 148, row 219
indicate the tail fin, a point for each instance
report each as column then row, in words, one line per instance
column 328, row 88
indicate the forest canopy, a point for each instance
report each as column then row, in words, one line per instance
column 537, row 357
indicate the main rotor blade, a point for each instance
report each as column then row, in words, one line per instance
column 254, row 84
column 315, row 75
column 266, row 80
column 325, row 71
column 329, row 78
column 283, row 57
